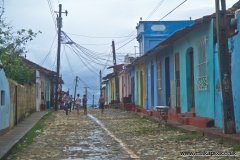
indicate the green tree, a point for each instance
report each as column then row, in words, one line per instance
column 12, row 48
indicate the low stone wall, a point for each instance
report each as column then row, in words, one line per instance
column 22, row 101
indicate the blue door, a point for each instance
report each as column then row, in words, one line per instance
column 152, row 87
column 167, row 79
column 132, row 88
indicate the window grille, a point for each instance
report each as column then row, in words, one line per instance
column 159, row 81
column 146, row 82
column 201, row 76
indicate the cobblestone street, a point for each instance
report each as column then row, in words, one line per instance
column 114, row 135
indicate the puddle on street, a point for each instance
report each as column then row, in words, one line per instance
column 133, row 155
column 97, row 145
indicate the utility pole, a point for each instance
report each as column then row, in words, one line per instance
column 100, row 73
column 93, row 101
column 75, row 91
column 115, row 72
column 59, row 25
column 86, row 90
column 61, row 90
column 224, row 70
column 135, row 51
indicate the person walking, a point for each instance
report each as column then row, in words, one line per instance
column 66, row 98
column 70, row 102
column 78, row 101
column 101, row 102
column 84, row 101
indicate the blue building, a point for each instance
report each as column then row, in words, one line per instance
column 234, row 50
column 150, row 34
column 194, row 69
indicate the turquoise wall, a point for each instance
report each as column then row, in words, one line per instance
column 137, row 84
column 204, row 99
column 149, row 103
column 4, row 109
column 162, row 55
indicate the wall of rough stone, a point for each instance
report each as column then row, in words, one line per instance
column 22, row 101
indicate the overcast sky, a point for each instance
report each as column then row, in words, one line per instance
column 97, row 23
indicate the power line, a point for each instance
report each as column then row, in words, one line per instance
column 68, row 61
column 50, row 50
column 52, row 13
column 154, row 10
column 106, row 62
column 95, row 37
column 172, row 10
column 126, row 43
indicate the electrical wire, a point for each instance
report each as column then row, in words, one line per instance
column 125, row 43
column 154, row 10
column 50, row 50
column 95, row 37
column 69, row 64
column 52, row 13
column 172, row 10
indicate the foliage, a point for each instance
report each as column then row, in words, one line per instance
column 220, row 141
column 190, row 136
column 187, row 137
column 12, row 47
column 236, row 148
column 15, row 69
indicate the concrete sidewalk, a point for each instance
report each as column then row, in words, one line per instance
column 15, row 135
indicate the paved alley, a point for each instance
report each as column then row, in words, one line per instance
column 114, row 135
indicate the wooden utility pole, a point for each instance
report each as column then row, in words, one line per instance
column 75, row 90
column 86, row 90
column 100, row 73
column 59, row 25
column 224, row 70
column 93, row 101
column 115, row 72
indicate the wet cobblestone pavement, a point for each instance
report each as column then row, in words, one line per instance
column 114, row 135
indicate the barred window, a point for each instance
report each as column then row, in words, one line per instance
column 2, row 98
column 159, row 81
column 146, row 82
column 201, row 76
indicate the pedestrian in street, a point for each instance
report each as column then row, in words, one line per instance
column 101, row 102
column 78, row 101
column 84, row 101
column 66, row 98
column 70, row 102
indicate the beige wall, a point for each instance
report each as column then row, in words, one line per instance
column 25, row 103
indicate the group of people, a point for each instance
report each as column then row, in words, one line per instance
column 67, row 99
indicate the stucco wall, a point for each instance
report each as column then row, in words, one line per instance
column 162, row 55
column 26, row 100
column 203, row 108
column 137, row 85
column 151, row 81
column 121, row 86
column 132, row 92
column 142, row 88
column 5, row 110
